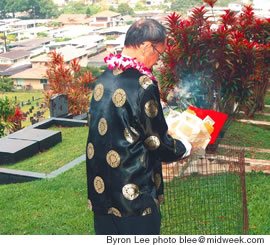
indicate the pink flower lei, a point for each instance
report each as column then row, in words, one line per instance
column 124, row 62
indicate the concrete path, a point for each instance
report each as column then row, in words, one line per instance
column 244, row 148
column 254, row 122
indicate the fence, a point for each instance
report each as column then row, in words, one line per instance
column 205, row 195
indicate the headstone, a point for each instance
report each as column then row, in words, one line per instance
column 22, row 103
column 33, row 107
column 35, row 115
column 59, row 105
column 38, row 113
column 37, row 104
column 33, row 98
column 30, row 110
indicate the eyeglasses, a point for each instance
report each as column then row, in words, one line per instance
column 160, row 55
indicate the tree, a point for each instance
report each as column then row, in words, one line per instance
column 69, row 80
column 3, row 4
column 6, row 84
column 88, row 11
column 125, row 9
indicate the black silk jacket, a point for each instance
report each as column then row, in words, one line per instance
column 126, row 143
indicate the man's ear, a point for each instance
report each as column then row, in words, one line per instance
column 146, row 47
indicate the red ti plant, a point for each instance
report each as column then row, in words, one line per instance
column 69, row 80
column 16, row 119
column 224, row 68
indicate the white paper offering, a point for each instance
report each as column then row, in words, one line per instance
column 187, row 125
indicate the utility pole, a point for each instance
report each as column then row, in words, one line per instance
column 5, row 41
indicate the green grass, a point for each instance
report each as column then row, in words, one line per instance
column 257, row 155
column 249, row 135
column 267, row 98
column 59, row 205
column 52, row 206
column 203, row 205
column 72, row 146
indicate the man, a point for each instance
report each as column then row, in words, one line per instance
column 128, row 138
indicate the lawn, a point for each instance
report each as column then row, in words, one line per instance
column 249, row 135
column 72, row 146
column 59, row 205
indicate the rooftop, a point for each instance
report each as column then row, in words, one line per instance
column 12, row 55
column 106, row 13
column 74, row 18
column 32, row 73
column 69, row 53
column 31, row 42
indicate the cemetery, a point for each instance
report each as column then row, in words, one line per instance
column 224, row 191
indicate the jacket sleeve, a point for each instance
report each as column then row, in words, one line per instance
column 154, row 128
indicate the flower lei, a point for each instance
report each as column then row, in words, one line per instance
column 124, row 62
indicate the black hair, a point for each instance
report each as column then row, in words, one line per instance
column 145, row 30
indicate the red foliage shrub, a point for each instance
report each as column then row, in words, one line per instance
column 224, row 68
column 69, row 80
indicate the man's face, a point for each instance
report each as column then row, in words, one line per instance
column 152, row 53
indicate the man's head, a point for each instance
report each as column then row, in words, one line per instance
column 145, row 40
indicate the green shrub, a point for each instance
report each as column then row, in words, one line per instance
column 6, row 84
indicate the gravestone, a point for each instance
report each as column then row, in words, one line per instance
column 37, row 104
column 38, row 113
column 14, row 150
column 45, row 138
column 59, row 105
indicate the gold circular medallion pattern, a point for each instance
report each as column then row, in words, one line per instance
column 114, row 211
column 90, row 207
column 119, row 97
column 157, row 181
column 113, row 159
column 98, row 92
column 129, row 136
column 145, row 81
column 99, row 185
column 117, row 71
column 102, row 126
column 151, row 108
column 131, row 191
column 147, row 211
column 90, row 150
column 152, row 143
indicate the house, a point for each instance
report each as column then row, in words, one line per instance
column 106, row 19
column 72, row 31
column 7, row 70
column 35, row 46
column 36, row 78
column 25, row 24
column 91, row 43
column 15, row 57
column 74, row 19
column 69, row 53
column 114, row 31
column 30, row 33
column 33, row 78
